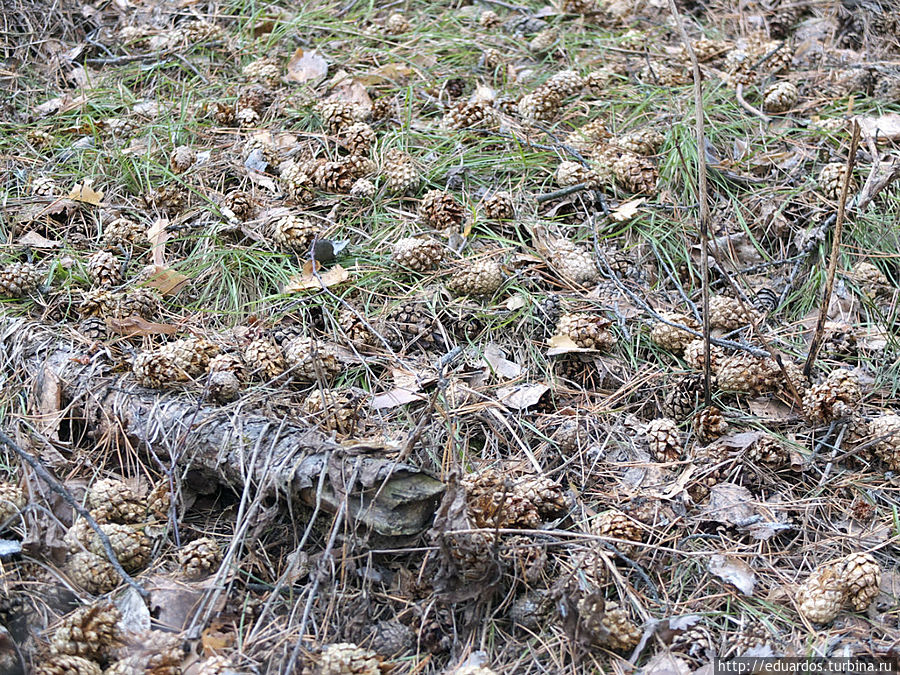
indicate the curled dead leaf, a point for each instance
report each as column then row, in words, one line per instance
column 83, row 192
column 307, row 65
column 311, row 278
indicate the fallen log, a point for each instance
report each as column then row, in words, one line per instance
column 93, row 400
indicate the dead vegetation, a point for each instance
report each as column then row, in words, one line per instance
column 445, row 337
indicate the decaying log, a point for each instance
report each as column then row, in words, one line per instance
column 391, row 498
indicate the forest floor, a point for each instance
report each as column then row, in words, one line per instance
column 432, row 337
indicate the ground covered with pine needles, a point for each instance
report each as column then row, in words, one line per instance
column 466, row 238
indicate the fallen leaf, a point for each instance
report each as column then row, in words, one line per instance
column 563, row 344
column 496, row 359
column 666, row 663
column 157, row 235
column 173, row 603
column 308, row 279
column 60, row 104
column 884, row 127
column 135, row 325
column 214, row 641
column 735, row 571
column 395, row 398
column 729, row 504
column 34, row 240
column 625, row 212
column 135, row 615
column 48, row 394
column 388, row 73
column 83, row 192
column 166, row 280
column 307, row 65
column 522, row 396
column 352, row 91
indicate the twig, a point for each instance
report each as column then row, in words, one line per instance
column 58, row 488
column 703, row 198
column 563, row 192
column 816, row 342
column 739, row 94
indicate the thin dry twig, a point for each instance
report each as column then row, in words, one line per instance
column 816, row 342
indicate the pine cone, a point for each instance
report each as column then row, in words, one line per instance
column 488, row 19
column 340, row 115
column 151, row 652
column 92, row 572
column 730, row 313
column 400, row 172
column 541, row 105
column 19, row 279
column 129, row 543
column 768, row 451
column 265, row 71
column 523, row 559
column 411, row 324
column 294, row 234
column 748, row 374
column 780, row 97
column 480, row 278
column 182, row 158
column 869, row 278
column 198, row 30
column 159, row 501
column 664, row 440
column 564, row 84
column 572, row 435
column 339, row 410
column 344, row 658
column 573, row 173
column 216, row 665
column 113, row 501
column 441, row 211
column 831, row 181
column 264, row 357
column 471, row 115
column 861, row 575
column 310, row 360
column 543, row 42
column 706, row 49
column 569, row 259
column 396, row 24
column 643, row 142
column 363, row 188
column 12, row 500
column 166, row 198
column 617, row 525
column 662, row 74
column 223, row 386
column 359, row 138
column 472, row 555
column 635, row 173
column 142, row 302
column 587, row 331
column 200, row 558
column 231, row 362
column 90, row 632
column 44, row 186
column 578, row 6
column 671, row 338
column 246, row 117
column 65, row 664
column 93, row 328
column 174, row 362
column 708, row 424
column 695, row 353
column 834, row 398
column 498, row 206
column 123, row 232
column 683, row 397
column 820, row 598
column 355, row 330
column 239, row 203
column 623, row 634
column 887, row 428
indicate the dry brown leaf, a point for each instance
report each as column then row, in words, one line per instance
column 735, row 571
column 307, row 65
column 625, row 212
column 395, row 398
column 563, row 344
column 309, row 280
column 34, row 240
column 157, row 235
column 884, row 127
column 83, row 192
column 352, row 91
column 496, row 359
column 166, row 280
column 60, row 104
column 48, row 395
column 135, row 325
column 729, row 504
column 522, row 396
column 388, row 73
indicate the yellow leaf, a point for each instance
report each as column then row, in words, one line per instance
column 626, row 211
column 83, row 192
column 309, row 279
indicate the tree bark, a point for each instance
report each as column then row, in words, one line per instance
column 94, row 401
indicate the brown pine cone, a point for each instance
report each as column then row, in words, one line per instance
column 293, row 233
column 19, row 279
column 123, row 232
column 231, row 362
column 617, row 525
column 129, row 543
column 708, row 424
column 355, row 329
column 695, row 353
column 182, row 158
column 396, row 24
column 98, row 302
column 780, row 97
column 623, row 634
column 159, row 501
column 92, row 572
column 683, row 397
column 359, row 138
column 887, row 449
column 587, row 331
column 441, row 210
column 12, row 500
column 310, row 360
column 340, row 115
column 768, row 451
column 239, row 203
column 411, row 324
column 200, row 558
column 44, row 186
column 820, row 598
column 861, row 575
column 493, row 502
column 748, row 374
column 479, row 278
column 151, row 652
column 265, row 71
column 834, row 398
column 264, row 357
column 296, row 179
column 542, row 105
column 339, row 410
column 498, row 206
column 345, row 658
column 635, row 173
column 642, row 142
column 90, row 632
column 672, row 338
column 66, row 664
column 141, row 301
column 730, row 313
column 664, row 440
column 401, row 173
column 471, row 115
column 564, row 83
column 831, row 181
column 572, row 173
column 523, row 558
column 104, row 269
column 113, row 501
